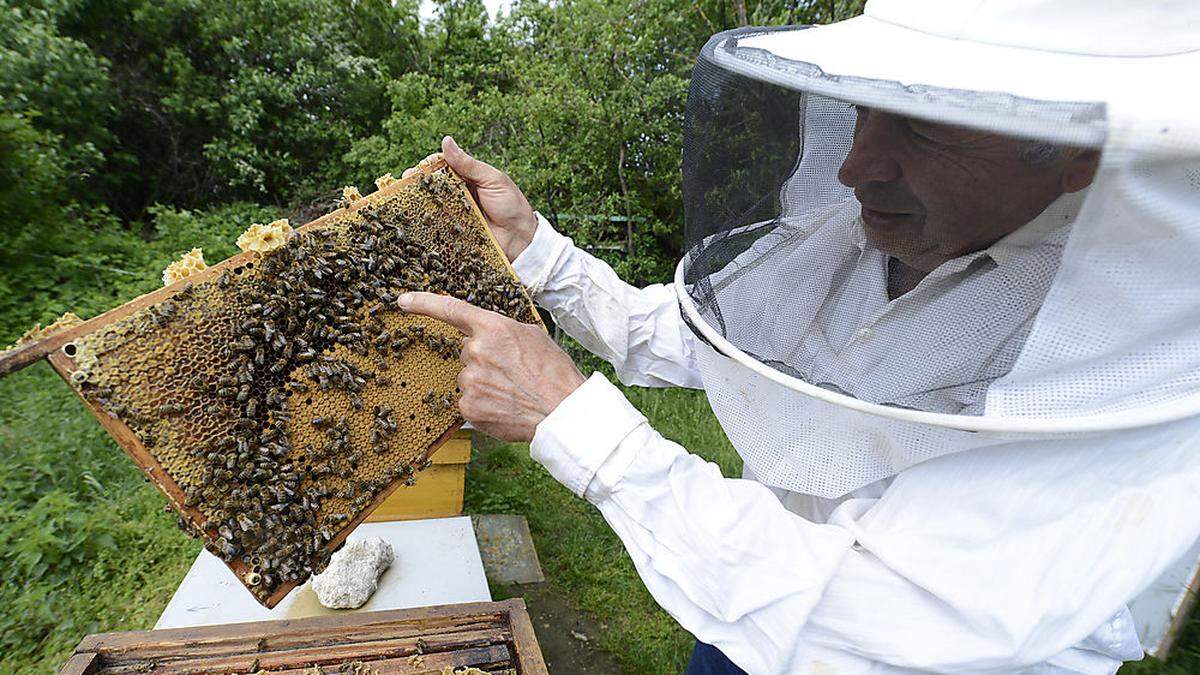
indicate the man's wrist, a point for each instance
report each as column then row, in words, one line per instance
column 568, row 386
column 582, row 431
column 537, row 259
column 521, row 241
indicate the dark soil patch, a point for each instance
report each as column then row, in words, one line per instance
column 566, row 635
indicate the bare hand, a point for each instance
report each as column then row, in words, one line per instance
column 504, row 206
column 513, row 374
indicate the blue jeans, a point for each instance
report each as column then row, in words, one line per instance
column 708, row 660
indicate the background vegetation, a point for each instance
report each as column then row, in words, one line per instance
column 131, row 131
column 121, row 120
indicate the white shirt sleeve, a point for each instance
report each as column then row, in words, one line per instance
column 639, row 331
column 990, row 560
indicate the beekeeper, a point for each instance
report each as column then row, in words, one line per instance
column 941, row 286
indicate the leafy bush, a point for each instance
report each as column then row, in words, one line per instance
column 81, row 535
column 84, row 261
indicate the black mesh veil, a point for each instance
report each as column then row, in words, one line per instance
column 742, row 155
column 741, row 143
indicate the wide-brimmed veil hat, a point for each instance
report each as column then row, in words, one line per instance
column 1137, row 59
column 1084, row 320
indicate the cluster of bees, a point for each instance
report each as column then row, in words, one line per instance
column 437, row 403
column 283, row 395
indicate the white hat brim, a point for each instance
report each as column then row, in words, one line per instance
column 1149, row 101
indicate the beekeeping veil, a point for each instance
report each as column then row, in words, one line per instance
column 1044, row 311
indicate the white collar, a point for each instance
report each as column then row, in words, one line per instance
column 1060, row 213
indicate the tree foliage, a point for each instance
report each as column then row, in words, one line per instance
column 113, row 110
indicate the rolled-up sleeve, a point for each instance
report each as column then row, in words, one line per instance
column 992, row 560
column 638, row 330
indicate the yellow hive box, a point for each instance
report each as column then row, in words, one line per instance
column 438, row 492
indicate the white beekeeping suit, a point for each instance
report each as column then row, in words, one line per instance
column 967, row 398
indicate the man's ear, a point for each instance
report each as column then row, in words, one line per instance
column 1079, row 170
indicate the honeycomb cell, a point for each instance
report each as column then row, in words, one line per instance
column 350, row 194
column 188, row 264
column 384, row 181
column 261, row 238
column 37, row 332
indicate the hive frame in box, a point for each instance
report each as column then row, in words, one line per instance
column 469, row 634
column 59, row 348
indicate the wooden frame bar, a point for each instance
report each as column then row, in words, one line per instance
column 485, row 635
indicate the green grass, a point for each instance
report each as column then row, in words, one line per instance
column 84, row 543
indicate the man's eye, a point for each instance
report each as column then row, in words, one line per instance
column 922, row 134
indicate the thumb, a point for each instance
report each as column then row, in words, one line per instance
column 471, row 169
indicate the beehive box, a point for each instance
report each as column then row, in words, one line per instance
column 276, row 399
column 493, row 637
column 439, row 493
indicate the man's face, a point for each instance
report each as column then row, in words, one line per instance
column 933, row 192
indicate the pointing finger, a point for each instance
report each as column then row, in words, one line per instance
column 458, row 313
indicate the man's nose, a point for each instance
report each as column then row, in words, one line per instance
column 872, row 157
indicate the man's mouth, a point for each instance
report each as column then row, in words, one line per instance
column 883, row 219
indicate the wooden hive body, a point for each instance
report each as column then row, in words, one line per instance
column 495, row 637
column 439, row 493
column 277, row 399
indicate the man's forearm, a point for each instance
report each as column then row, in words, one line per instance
column 638, row 330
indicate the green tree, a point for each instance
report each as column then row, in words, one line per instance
column 244, row 99
column 581, row 101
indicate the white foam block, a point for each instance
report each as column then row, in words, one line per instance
column 437, row 563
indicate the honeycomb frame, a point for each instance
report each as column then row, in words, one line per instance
column 374, row 416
